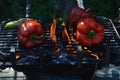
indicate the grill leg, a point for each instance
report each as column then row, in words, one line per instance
column 107, row 56
column 80, row 59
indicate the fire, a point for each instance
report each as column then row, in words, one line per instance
column 94, row 55
column 72, row 37
column 101, row 54
column 65, row 34
column 17, row 56
column 91, row 53
column 53, row 30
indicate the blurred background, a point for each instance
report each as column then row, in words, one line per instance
column 45, row 8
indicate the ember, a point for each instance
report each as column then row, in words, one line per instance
column 17, row 56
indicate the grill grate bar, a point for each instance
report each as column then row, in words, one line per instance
column 111, row 35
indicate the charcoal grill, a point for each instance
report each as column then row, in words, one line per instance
column 10, row 44
column 41, row 56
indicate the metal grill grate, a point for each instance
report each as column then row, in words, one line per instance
column 8, row 40
column 112, row 37
column 9, row 44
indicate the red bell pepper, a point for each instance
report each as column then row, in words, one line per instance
column 30, row 33
column 78, row 13
column 89, row 32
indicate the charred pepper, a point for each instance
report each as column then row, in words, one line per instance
column 78, row 13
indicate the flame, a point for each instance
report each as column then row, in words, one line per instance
column 17, row 56
column 94, row 55
column 72, row 37
column 75, row 52
column 101, row 54
column 91, row 53
column 65, row 33
column 53, row 30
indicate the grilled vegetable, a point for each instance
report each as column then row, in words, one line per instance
column 30, row 33
column 78, row 13
column 89, row 32
column 15, row 23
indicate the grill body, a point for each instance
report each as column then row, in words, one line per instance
column 42, row 56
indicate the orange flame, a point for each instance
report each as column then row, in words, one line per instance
column 90, row 52
column 94, row 55
column 65, row 34
column 72, row 36
column 17, row 56
column 101, row 54
column 52, row 31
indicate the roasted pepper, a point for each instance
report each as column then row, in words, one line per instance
column 89, row 32
column 30, row 33
column 78, row 13
column 14, row 23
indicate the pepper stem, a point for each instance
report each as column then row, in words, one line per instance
column 34, row 37
column 91, row 33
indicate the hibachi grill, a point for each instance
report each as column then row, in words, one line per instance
column 61, row 52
